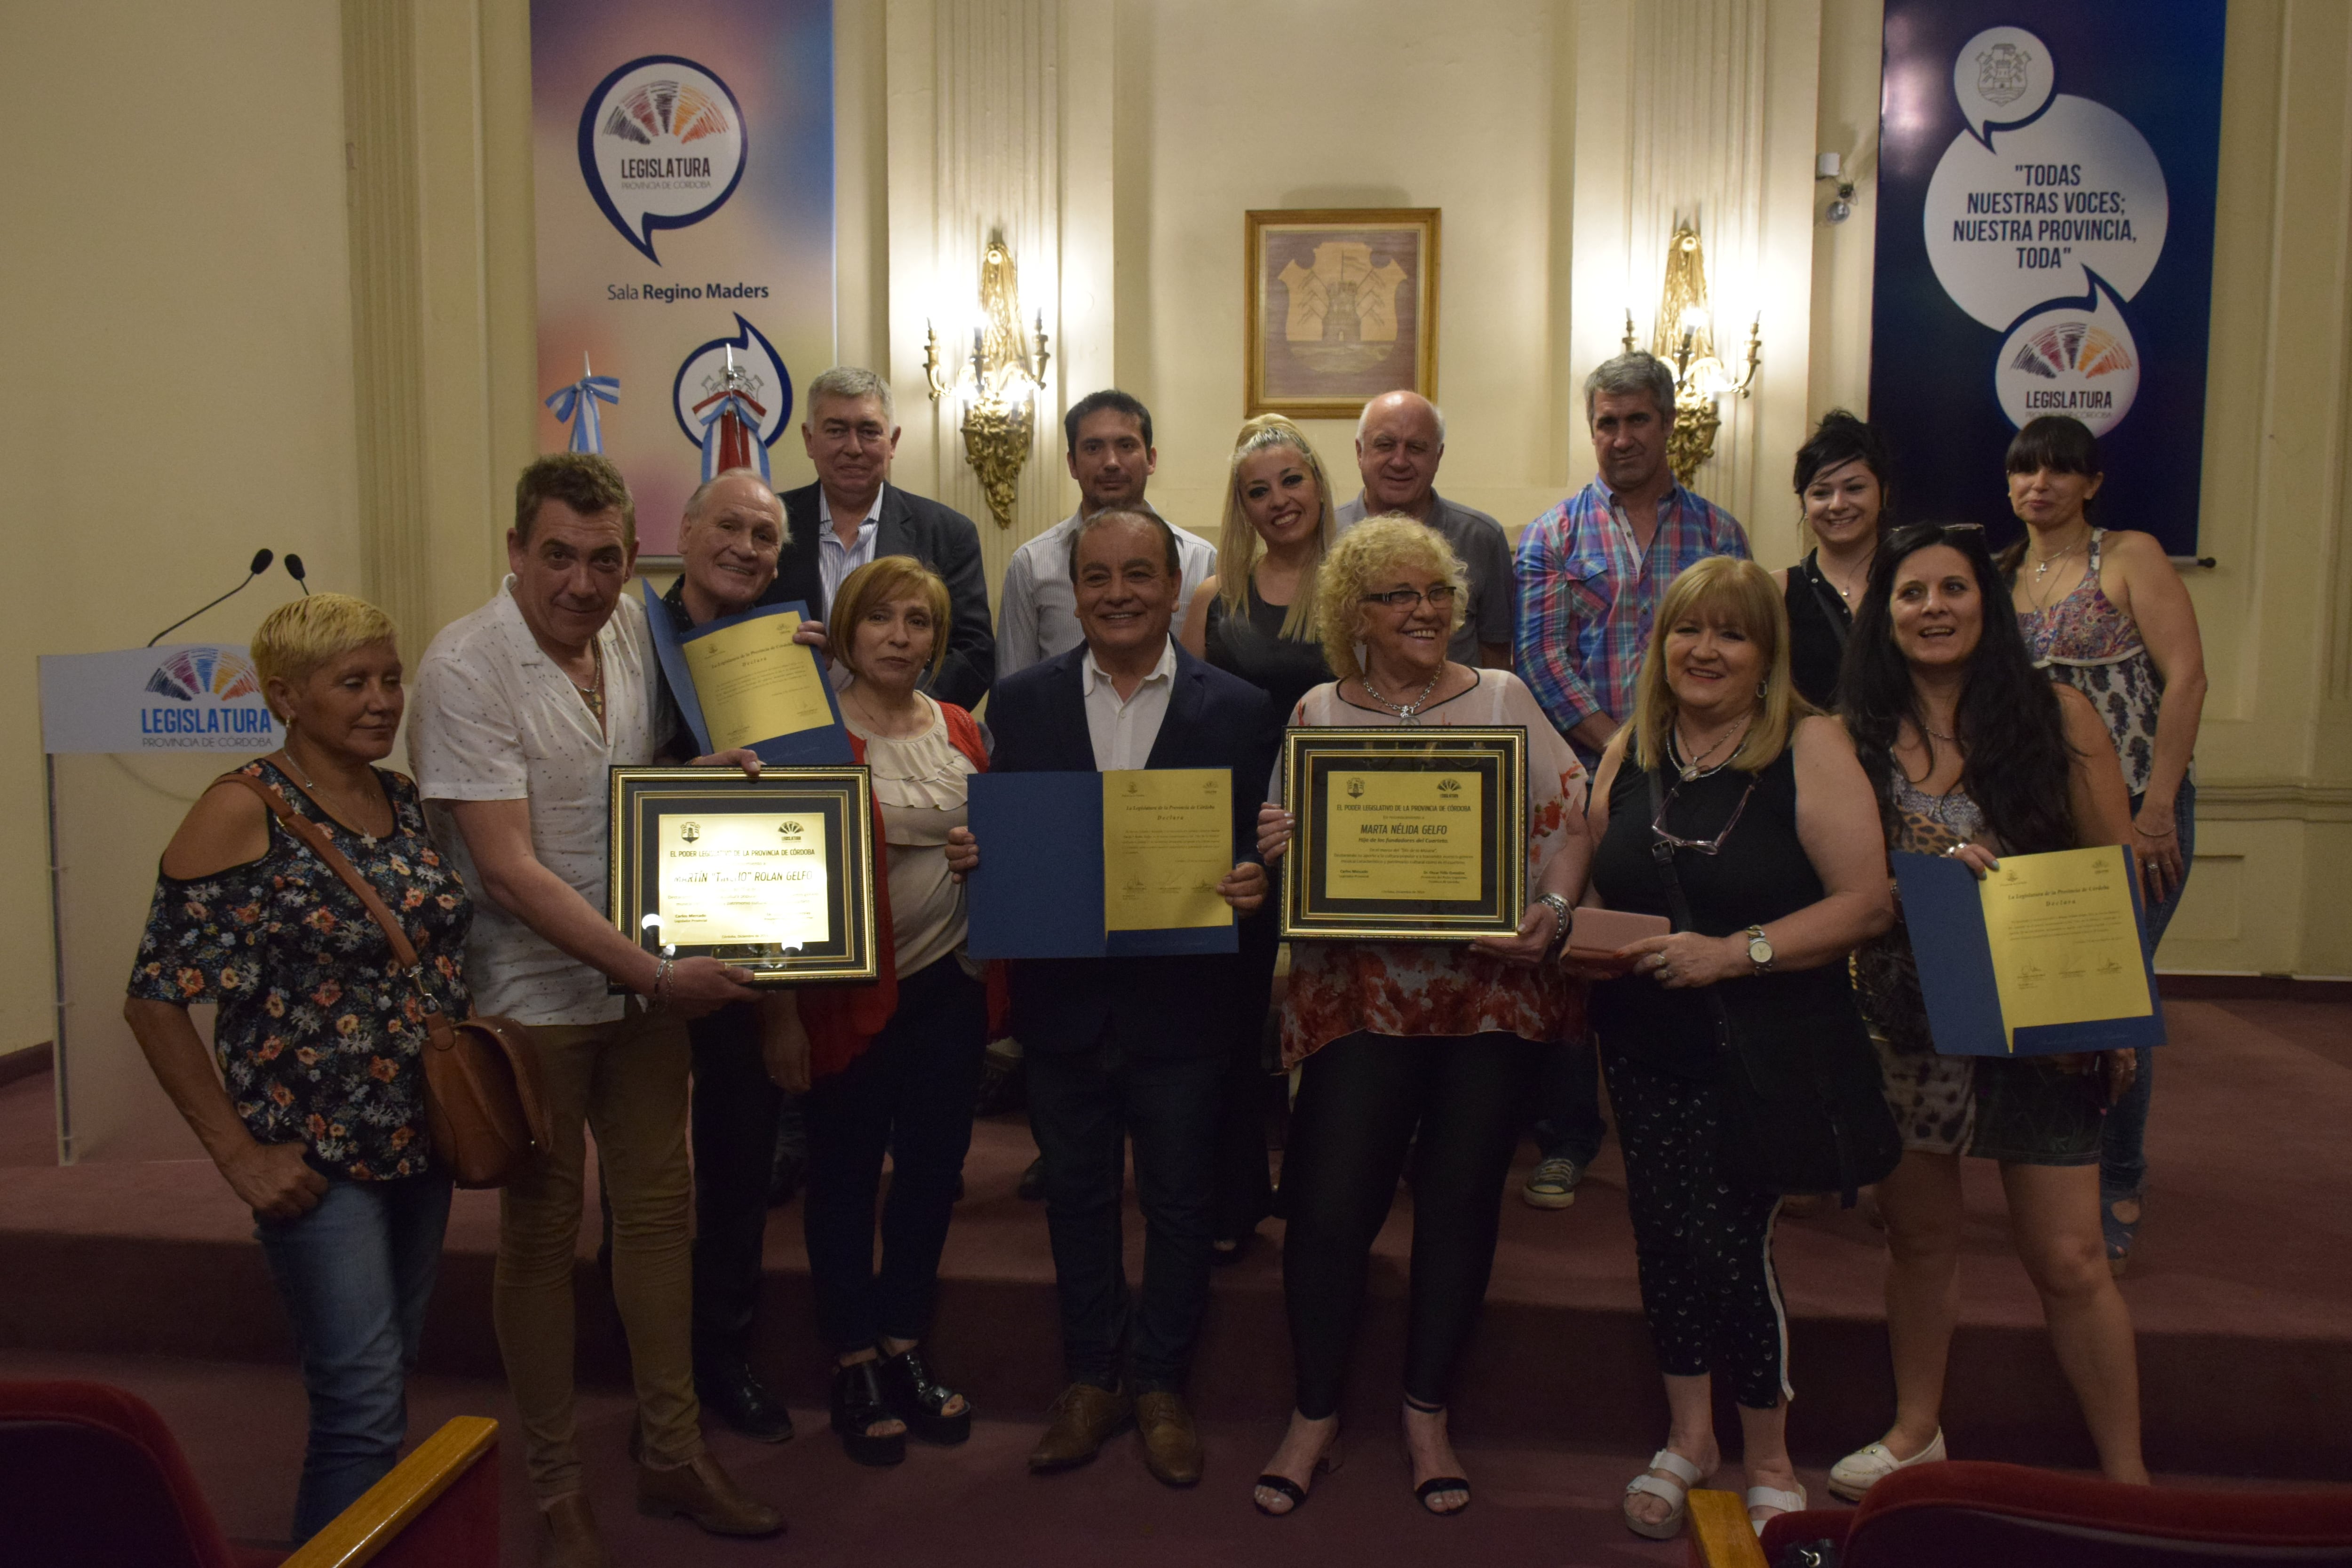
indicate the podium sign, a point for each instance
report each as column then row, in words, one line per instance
column 181, row 696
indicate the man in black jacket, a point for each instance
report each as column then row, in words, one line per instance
column 853, row 514
column 1130, row 1047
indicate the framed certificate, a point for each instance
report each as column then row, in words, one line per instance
column 1406, row 835
column 773, row 874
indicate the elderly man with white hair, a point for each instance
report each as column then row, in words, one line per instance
column 1400, row 441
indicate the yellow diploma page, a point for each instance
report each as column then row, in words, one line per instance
column 1395, row 835
column 1168, row 841
column 755, row 683
column 743, row 879
column 2065, row 949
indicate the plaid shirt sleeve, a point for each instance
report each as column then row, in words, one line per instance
column 1545, row 651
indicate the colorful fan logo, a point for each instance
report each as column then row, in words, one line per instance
column 2071, row 345
column 195, row 672
column 662, row 145
column 2070, row 360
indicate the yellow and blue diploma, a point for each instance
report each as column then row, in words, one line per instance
column 742, row 681
column 2042, row 957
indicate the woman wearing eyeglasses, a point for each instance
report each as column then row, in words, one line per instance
column 1730, row 807
column 1392, row 1038
column 1973, row 752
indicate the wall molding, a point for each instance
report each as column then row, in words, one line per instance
column 2273, row 800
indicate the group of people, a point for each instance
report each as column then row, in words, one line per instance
column 1731, row 750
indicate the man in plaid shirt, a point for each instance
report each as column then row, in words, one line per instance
column 1591, row 571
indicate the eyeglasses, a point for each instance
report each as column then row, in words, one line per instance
column 1440, row 597
column 1665, row 843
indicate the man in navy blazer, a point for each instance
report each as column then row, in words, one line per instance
column 853, row 515
column 1121, row 1049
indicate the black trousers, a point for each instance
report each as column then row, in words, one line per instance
column 1704, row 1244
column 736, row 1108
column 1359, row 1100
column 1084, row 1106
column 910, row 1095
column 1245, row 1191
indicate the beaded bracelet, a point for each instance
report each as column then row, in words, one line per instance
column 661, row 983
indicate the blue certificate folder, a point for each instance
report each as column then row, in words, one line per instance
column 1038, row 892
column 825, row 747
column 1945, row 912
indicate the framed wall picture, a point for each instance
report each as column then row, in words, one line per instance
column 1342, row 307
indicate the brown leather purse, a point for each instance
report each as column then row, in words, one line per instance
column 483, row 1101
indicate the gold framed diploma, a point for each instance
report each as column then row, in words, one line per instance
column 773, row 874
column 1406, row 835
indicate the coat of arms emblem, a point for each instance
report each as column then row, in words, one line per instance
column 2001, row 72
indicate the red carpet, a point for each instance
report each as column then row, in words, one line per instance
column 2242, row 1293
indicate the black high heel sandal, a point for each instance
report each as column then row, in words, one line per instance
column 1437, row 1484
column 858, row 1406
column 918, row 1399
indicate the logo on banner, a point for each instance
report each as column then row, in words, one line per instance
column 204, row 685
column 770, row 385
column 662, row 145
column 2071, row 359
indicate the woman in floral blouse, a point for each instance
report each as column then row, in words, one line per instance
column 316, row 1121
column 1398, row 1037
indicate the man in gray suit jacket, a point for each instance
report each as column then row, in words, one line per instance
column 853, row 514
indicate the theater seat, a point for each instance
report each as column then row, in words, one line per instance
column 1965, row 1515
column 91, row 1478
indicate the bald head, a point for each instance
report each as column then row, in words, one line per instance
column 730, row 539
column 1400, row 437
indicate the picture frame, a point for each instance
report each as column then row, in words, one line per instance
column 700, row 856
column 1341, row 306
column 1405, row 834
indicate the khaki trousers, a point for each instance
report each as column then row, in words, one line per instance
column 626, row 1081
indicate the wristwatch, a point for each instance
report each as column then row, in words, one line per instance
column 1760, row 949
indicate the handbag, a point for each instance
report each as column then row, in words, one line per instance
column 484, row 1105
column 1806, row 1116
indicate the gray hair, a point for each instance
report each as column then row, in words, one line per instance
column 701, row 496
column 1363, row 418
column 848, row 382
column 1136, row 514
column 1634, row 371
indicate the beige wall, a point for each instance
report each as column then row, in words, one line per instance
column 226, row 278
column 177, row 335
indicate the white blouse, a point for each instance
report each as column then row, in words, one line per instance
column 922, row 784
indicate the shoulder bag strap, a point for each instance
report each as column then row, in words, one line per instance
column 323, row 846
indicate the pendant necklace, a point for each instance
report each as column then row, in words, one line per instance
column 310, row 787
column 1693, row 769
column 1410, row 711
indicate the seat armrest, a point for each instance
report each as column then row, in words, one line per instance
column 1720, row 1534
column 373, row 1523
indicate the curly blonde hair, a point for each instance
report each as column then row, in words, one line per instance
column 1725, row 591
column 299, row 636
column 1238, row 545
column 1366, row 560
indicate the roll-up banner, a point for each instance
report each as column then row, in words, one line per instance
column 2045, row 246
column 683, row 160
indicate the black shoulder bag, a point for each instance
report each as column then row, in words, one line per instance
column 1804, row 1113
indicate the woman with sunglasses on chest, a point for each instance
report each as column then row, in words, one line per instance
column 1729, row 806
column 1973, row 752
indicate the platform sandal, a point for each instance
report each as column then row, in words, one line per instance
column 859, row 1406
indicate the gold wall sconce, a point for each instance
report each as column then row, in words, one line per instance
column 997, row 385
column 1684, row 337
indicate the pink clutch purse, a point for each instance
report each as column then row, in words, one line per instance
column 1598, row 933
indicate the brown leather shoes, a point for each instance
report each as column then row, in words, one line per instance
column 570, row 1540
column 1172, row 1449
column 1084, row 1417
column 702, row 1492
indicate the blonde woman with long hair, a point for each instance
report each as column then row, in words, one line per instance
column 1256, row 617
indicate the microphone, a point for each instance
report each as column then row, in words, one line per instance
column 260, row 564
column 294, row 570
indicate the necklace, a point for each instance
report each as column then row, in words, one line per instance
column 593, row 695
column 2042, row 570
column 1410, row 713
column 1694, row 770
column 310, row 787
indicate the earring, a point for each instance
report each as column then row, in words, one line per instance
column 1763, row 689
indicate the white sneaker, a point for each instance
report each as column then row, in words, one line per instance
column 1865, row 1467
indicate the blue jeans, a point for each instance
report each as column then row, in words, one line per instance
column 2123, row 1145
column 1568, row 1101
column 356, row 1274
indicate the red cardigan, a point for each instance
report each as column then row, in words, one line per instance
column 842, row 1020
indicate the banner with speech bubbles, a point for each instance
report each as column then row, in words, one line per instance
column 2045, row 246
column 682, row 154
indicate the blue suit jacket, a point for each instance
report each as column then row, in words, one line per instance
column 1155, row 1007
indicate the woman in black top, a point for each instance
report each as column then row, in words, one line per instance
column 1256, row 619
column 1843, row 484
column 1767, row 819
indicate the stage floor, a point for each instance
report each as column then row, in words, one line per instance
column 2241, row 1290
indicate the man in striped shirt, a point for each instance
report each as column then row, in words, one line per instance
column 1591, row 573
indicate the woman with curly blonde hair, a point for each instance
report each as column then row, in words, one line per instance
column 1396, row 1038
